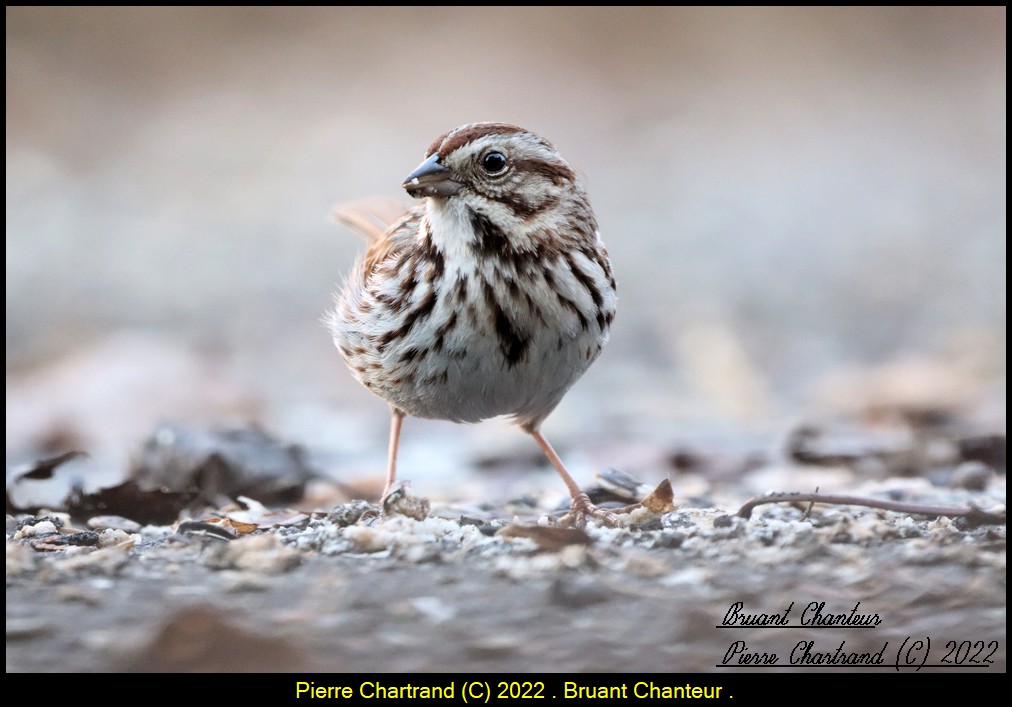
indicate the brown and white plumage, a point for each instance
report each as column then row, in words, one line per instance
column 490, row 297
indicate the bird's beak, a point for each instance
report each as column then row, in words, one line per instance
column 431, row 179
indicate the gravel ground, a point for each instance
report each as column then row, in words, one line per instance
column 478, row 589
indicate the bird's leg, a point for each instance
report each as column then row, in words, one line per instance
column 396, row 418
column 397, row 499
column 582, row 507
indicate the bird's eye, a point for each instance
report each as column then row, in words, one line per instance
column 494, row 163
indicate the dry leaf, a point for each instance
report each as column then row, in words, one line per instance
column 661, row 499
column 547, row 538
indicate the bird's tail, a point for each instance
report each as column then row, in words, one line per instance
column 369, row 218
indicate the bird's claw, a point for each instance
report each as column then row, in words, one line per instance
column 582, row 509
column 398, row 500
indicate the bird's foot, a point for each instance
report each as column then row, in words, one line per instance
column 582, row 509
column 399, row 501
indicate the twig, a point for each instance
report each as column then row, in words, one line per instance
column 976, row 516
column 808, row 511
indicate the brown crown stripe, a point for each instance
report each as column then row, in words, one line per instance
column 455, row 139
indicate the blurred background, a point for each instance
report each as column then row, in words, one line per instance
column 805, row 209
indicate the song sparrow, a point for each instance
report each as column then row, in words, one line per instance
column 490, row 297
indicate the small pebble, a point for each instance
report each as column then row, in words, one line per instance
column 45, row 527
column 973, row 476
column 114, row 523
